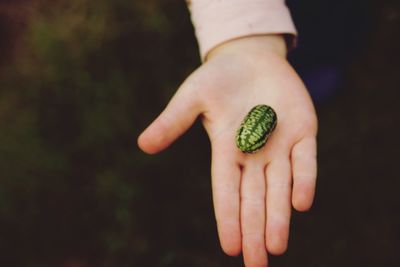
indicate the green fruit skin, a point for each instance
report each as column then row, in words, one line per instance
column 256, row 128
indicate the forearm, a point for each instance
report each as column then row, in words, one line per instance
column 217, row 22
column 263, row 44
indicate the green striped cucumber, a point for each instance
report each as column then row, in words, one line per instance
column 255, row 128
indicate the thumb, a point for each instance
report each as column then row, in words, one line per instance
column 177, row 117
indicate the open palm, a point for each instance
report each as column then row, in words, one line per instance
column 253, row 193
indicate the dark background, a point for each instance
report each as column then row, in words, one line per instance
column 80, row 79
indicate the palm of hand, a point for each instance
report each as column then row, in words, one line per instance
column 252, row 192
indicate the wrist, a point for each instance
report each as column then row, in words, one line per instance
column 263, row 44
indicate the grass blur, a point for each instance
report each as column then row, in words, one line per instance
column 80, row 79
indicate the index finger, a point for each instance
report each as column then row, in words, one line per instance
column 225, row 174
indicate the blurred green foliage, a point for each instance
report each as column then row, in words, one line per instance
column 86, row 77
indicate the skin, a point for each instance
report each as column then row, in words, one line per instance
column 252, row 193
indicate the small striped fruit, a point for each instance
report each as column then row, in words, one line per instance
column 255, row 128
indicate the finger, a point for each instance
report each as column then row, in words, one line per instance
column 278, row 175
column 177, row 117
column 304, row 164
column 225, row 174
column 253, row 216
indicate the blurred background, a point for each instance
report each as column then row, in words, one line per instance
column 80, row 79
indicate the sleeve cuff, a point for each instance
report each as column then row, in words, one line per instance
column 218, row 21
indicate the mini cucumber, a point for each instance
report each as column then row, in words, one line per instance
column 256, row 128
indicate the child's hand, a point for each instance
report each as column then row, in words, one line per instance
column 252, row 193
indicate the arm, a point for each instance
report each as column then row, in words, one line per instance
column 217, row 22
column 252, row 193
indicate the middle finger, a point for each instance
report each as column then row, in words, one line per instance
column 253, row 216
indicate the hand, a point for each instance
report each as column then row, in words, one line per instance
column 252, row 193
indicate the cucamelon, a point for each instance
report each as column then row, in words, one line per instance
column 255, row 128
